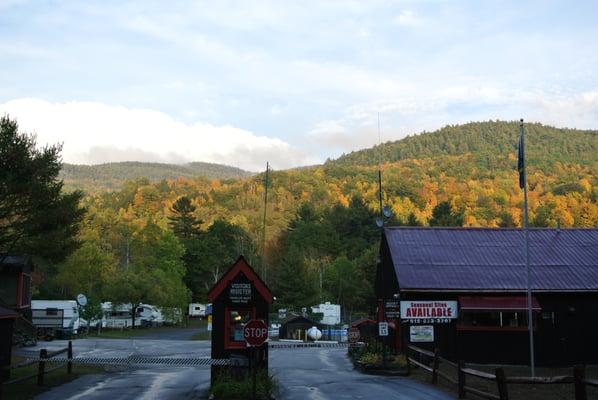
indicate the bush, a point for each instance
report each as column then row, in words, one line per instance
column 226, row 386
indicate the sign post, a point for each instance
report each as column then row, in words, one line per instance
column 255, row 333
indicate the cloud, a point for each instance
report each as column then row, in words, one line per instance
column 407, row 18
column 93, row 133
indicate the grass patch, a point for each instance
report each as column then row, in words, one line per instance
column 228, row 387
column 28, row 389
column 129, row 333
column 202, row 326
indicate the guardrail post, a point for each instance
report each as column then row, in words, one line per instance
column 579, row 375
column 69, row 365
column 501, row 382
column 461, row 379
column 43, row 354
column 435, row 365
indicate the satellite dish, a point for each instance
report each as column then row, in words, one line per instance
column 81, row 299
column 386, row 212
column 379, row 222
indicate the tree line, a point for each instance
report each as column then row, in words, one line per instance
column 167, row 242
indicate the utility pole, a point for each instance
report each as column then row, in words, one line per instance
column 523, row 185
column 264, row 270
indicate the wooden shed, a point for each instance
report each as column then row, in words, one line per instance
column 295, row 326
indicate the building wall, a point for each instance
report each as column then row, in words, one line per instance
column 565, row 334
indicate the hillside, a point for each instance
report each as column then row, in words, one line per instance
column 489, row 142
column 111, row 176
column 320, row 221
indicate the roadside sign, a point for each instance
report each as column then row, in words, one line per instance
column 382, row 328
column 353, row 335
column 255, row 332
column 81, row 300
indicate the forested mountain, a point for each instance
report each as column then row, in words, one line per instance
column 489, row 143
column 321, row 237
column 92, row 178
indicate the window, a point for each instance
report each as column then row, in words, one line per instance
column 493, row 320
column 238, row 319
column 235, row 321
column 51, row 311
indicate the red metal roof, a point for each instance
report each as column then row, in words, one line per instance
column 497, row 303
column 241, row 266
column 493, row 259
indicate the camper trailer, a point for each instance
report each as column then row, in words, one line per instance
column 197, row 310
column 55, row 317
column 119, row 316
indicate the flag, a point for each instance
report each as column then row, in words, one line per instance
column 521, row 157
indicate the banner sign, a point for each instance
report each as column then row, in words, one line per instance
column 421, row 333
column 427, row 312
column 240, row 292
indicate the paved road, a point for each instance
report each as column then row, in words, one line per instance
column 316, row 374
column 321, row 374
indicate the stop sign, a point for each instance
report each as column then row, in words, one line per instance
column 353, row 335
column 255, row 332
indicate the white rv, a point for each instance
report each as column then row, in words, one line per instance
column 331, row 312
column 197, row 310
column 55, row 317
column 119, row 316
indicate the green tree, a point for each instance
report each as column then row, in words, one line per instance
column 36, row 217
column 87, row 270
column 183, row 222
column 443, row 215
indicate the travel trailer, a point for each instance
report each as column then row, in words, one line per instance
column 55, row 317
column 119, row 316
column 197, row 310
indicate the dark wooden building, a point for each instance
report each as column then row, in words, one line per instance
column 7, row 318
column 463, row 290
column 15, row 283
column 296, row 326
column 238, row 297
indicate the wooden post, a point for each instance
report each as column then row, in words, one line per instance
column 501, row 382
column 253, row 372
column 43, row 354
column 579, row 374
column 69, row 365
column 435, row 365
column 461, row 379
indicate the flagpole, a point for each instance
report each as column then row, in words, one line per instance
column 530, row 322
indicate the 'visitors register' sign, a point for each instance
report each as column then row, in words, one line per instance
column 240, row 292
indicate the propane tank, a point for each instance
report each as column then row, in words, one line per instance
column 314, row 333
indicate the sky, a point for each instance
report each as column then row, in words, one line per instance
column 289, row 82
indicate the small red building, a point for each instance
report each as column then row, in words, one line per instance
column 238, row 297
